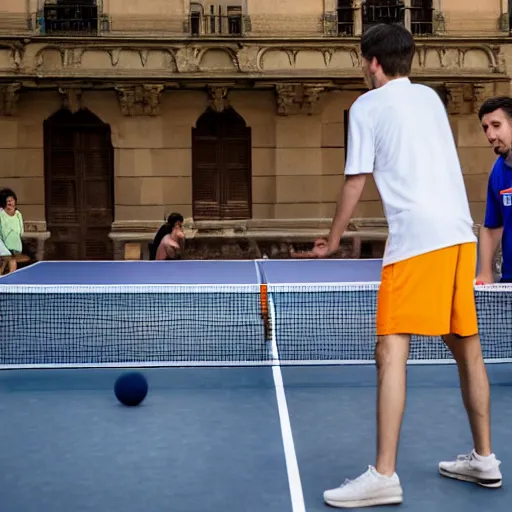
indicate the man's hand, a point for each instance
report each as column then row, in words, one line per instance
column 484, row 278
column 321, row 248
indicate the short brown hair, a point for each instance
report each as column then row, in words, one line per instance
column 392, row 45
column 492, row 104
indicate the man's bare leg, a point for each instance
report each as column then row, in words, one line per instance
column 391, row 354
column 380, row 485
column 474, row 384
column 480, row 466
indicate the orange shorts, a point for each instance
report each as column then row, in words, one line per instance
column 431, row 294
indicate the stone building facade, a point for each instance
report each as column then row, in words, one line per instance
column 113, row 113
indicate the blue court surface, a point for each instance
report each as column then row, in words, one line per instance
column 261, row 389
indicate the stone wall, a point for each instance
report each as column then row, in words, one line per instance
column 297, row 160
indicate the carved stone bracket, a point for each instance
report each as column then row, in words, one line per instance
column 217, row 98
column 140, row 100
column 481, row 93
column 298, row 99
column 9, row 95
column 454, row 98
column 465, row 98
column 71, row 98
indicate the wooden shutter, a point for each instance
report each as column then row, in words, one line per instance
column 236, row 178
column 206, row 186
column 97, row 192
column 221, row 161
column 78, row 186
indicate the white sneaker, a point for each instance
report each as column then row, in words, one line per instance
column 369, row 489
column 474, row 468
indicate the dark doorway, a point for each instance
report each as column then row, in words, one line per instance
column 79, row 188
column 221, row 167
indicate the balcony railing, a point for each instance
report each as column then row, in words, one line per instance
column 70, row 18
column 422, row 19
column 383, row 11
column 217, row 25
column 345, row 21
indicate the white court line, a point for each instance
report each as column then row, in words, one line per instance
column 292, row 465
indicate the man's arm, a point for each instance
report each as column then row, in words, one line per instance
column 490, row 235
column 350, row 194
column 360, row 162
column 489, row 241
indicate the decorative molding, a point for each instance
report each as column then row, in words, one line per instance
column 9, row 95
column 217, row 98
column 140, row 100
column 293, row 99
column 71, row 98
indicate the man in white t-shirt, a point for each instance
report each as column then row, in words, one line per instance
column 400, row 133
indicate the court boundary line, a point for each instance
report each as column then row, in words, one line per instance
column 292, row 464
column 290, row 455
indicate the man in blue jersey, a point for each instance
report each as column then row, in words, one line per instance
column 496, row 118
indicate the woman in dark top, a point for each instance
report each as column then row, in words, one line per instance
column 174, row 220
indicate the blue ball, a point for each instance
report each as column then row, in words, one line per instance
column 131, row 388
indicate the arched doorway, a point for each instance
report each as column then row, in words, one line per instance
column 79, row 188
column 221, row 167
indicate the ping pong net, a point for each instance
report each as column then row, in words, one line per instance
column 227, row 325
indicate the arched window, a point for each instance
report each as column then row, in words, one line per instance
column 221, row 166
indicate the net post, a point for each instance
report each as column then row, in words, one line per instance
column 264, row 309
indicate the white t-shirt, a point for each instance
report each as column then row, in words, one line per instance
column 400, row 132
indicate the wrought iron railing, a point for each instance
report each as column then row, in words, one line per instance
column 217, row 25
column 65, row 17
column 345, row 21
column 422, row 18
column 384, row 11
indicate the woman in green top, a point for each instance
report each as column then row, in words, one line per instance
column 11, row 229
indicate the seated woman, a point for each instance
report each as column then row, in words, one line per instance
column 174, row 220
column 7, row 261
column 172, row 245
column 11, row 231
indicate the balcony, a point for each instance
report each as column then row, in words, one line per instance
column 68, row 17
column 345, row 22
column 230, row 23
column 352, row 21
column 382, row 11
column 422, row 17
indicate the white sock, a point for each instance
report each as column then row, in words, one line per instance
column 481, row 458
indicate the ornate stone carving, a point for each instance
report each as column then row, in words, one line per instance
column 71, row 98
column 467, row 98
column 247, row 57
column 330, row 24
column 217, row 98
column 140, row 100
column 454, row 98
column 481, row 92
column 298, row 98
column 435, row 59
column 9, row 95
